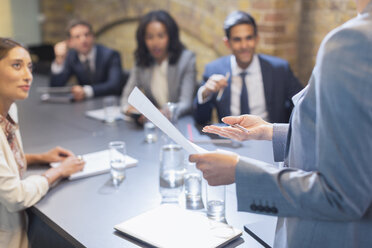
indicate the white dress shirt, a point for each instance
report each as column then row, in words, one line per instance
column 159, row 82
column 255, row 88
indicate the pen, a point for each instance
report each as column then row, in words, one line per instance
column 220, row 92
column 240, row 127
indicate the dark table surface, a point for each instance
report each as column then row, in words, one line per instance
column 84, row 211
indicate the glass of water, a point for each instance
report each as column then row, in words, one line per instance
column 110, row 109
column 169, row 110
column 216, row 196
column 151, row 133
column 117, row 161
column 193, row 188
column 171, row 172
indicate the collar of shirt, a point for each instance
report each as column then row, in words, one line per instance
column 254, row 66
column 9, row 127
column 159, row 82
column 163, row 66
column 91, row 56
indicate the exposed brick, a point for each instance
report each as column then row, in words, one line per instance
column 275, row 17
column 271, row 28
column 290, row 29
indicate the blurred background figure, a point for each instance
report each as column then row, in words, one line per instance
column 97, row 68
column 165, row 69
column 245, row 82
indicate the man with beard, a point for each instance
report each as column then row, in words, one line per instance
column 245, row 82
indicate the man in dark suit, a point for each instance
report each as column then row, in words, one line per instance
column 97, row 68
column 244, row 82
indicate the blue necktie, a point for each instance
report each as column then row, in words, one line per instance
column 244, row 104
column 88, row 71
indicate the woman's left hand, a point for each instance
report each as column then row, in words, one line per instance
column 56, row 154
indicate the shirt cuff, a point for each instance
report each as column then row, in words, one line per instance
column 88, row 91
column 200, row 96
column 280, row 132
column 56, row 68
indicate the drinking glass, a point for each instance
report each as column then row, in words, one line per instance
column 110, row 109
column 171, row 173
column 193, row 187
column 169, row 110
column 216, row 196
column 151, row 133
column 117, row 161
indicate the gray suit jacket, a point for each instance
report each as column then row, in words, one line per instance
column 181, row 82
column 324, row 197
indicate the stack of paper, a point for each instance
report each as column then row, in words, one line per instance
column 99, row 114
column 97, row 163
column 171, row 226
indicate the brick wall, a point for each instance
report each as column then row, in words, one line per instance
column 290, row 29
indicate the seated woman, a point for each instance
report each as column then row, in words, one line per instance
column 16, row 192
column 165, row 71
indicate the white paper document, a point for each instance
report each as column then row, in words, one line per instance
column 138, row 100
column 97, row 163
column 99, row 114
column 170, row 226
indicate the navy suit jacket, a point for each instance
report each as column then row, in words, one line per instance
column 279, row 86
column 107, row 79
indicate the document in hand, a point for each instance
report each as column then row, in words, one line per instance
column 97, row 163
column 171, row 226
column 138, row 100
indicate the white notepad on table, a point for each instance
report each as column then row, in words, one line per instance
column 170, row 226
column 99, row 114
column 97, row 163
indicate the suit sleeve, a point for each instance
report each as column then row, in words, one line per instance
column 203, row 112
column 113, row 84
column 17, row 194
column 280, row 132
column 340, row 188
column 61, row 79
column 132, row 82
column 188, row 84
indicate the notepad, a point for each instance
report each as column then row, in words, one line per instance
column 97, row 163
column 99, row 114
column 171, row 226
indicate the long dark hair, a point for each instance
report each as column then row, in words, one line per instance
column 175, row 46
column 6, row 45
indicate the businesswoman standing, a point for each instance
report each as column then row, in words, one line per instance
column 165, row 69
column 16, row 192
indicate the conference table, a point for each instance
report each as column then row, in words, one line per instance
column 83, row 212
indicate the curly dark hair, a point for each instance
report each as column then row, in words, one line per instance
column 175, row 46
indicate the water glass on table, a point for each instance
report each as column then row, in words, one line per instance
column 171, row 173
column 169, row 110
column 193, row 188
column 110, row 109
column 216, row 197
column 151, row 132
column 117, row 161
